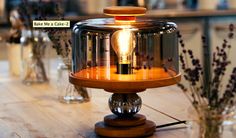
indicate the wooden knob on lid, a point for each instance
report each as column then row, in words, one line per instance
column 125, row 13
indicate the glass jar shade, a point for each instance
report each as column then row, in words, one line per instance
column 106, row 50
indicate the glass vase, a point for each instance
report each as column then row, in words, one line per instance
column 210, row 123
column 35, row 57
column 69, row 93
column 14, row 58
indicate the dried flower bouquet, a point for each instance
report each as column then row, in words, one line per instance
column 211, row 101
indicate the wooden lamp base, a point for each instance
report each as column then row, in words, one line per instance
column 125, row 127
column 124, row 102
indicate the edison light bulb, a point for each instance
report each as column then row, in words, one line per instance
column 123, row 43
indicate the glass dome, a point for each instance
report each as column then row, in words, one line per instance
column 120, row 54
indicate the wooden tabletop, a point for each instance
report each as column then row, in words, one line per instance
column 34, row 111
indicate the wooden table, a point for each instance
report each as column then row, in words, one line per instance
column 34, row 111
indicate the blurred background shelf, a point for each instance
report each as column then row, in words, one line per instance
column 187, row 13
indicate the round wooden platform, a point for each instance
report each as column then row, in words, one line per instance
column 147, row 129
column 106, row 78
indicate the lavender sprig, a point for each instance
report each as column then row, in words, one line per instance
column 192, row 72
column 61, row 38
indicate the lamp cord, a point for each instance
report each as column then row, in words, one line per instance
column 178, row 121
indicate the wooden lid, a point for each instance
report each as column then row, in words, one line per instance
column 124, row 11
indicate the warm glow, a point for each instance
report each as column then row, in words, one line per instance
column 123, row 44
column 125, row 19
column 124, row 37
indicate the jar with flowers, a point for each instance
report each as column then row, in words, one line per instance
column 213, row 103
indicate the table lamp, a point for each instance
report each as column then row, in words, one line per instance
column 124, row 55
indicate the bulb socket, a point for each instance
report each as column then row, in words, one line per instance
column 124, row 68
